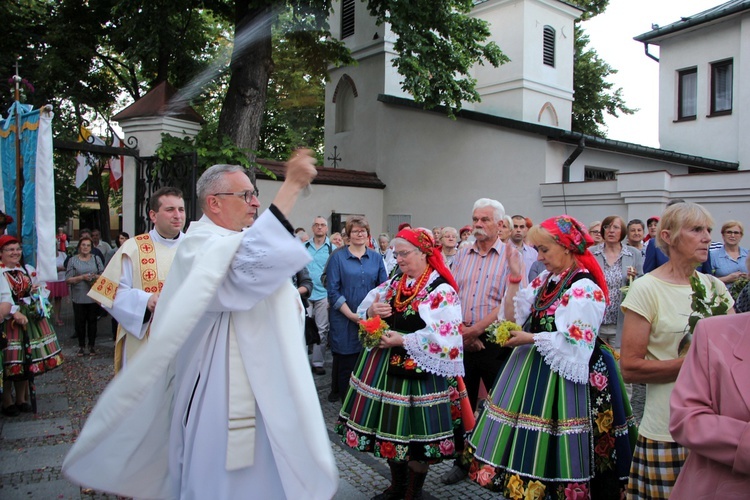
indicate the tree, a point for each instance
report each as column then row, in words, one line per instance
column 437, row 45
column 593, row 95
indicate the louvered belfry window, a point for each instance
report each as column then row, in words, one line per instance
column 347, row 18
column 549, row 46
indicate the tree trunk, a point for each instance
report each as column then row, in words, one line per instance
column 242, row 112
column 102, row 195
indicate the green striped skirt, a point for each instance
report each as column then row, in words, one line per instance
column 546, row 436
column 397, row 418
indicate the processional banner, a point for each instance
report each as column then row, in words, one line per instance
column 38, row 192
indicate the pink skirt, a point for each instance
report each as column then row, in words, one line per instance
column 57, row 289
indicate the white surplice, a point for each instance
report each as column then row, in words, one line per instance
column 160, row 429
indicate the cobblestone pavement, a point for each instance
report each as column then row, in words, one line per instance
column 32, row 447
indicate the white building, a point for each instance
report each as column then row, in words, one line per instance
column 397, row 162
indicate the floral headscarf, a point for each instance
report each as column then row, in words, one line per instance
column 572, row 235
column 426, row 244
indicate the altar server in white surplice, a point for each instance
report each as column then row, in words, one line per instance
column 129, row 287
column 221, row 402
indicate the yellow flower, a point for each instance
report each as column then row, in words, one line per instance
column 604, row 421
column 515, row 488
column 535, row 491
column 499, row 331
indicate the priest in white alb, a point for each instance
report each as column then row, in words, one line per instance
column 221, row 402
column 129, row 287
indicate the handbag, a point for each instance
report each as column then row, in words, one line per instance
column 312, row 336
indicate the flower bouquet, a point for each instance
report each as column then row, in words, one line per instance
column 736, row 287
column 370, row 331
column 702, row 307
column 499, row 331
column 36, row 306
column 625, row 289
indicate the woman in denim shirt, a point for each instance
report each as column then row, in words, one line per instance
column 350, row 274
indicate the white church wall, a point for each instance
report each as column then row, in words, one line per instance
column 521, row 88
column 324, row 200
column 640, row 195
column 715, row 137
column 435, row 168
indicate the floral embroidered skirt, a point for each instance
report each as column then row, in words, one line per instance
column 40, row 355
column 545, row 437
column 399, row 418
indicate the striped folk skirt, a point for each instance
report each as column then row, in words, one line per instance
column 34, row 350
column 543, row 436
column 395, row 417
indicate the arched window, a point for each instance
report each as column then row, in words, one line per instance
column 343, row 98
column 549, row 46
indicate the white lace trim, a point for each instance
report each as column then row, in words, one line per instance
column 567, row 369
column 427, row 362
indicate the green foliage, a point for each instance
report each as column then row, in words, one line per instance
column 702, row 305
column 295, row 104
column 593, row 94
column 211, row 149
column 67, row 196
column 437, row 45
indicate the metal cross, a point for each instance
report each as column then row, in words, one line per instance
column 335, row 158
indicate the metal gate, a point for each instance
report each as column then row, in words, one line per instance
column 153, row 173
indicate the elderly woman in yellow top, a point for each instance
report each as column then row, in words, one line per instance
column 654, row 340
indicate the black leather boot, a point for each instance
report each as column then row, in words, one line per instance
column 399, row 473
column 414, row 484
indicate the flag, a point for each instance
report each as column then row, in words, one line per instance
column 116, row 165
column 84, row 160
column 38, row 194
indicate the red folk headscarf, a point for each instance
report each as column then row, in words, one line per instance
column 6, row 239
column 572, row 235
column 426, row 244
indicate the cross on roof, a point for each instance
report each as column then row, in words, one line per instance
column 335, row 158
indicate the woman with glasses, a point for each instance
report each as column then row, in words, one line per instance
column 350, row 274
column 728, row 262
column 399, row 402
column 620, row 264
column 655, row 337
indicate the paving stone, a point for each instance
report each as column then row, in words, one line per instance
column 20, row 429
column 50, row 387
column 59, row 489
column 52, row 403
column 33, row 458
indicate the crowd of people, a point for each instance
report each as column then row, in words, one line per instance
column 545, row 412
column 552, row 405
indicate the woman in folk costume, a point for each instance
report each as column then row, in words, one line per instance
column 403, row 393
column 32, row 348
column 559, row 424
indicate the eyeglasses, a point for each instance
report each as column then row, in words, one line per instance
column 733, row 233
column 358, row 231
column 611, row 226
column 248, row 195
column 402, row 253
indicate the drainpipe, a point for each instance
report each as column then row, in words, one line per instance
column 575, row 154
column 645, row 49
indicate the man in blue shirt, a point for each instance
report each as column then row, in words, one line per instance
column 320, row 249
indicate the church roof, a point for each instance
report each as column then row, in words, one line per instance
column 328, row 176
column 155, row 103
column 707, row 16
column 696, row 163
